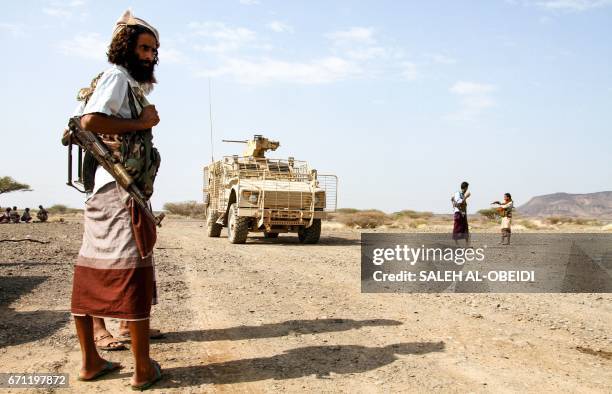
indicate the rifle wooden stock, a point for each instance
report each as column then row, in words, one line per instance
column 92, row 144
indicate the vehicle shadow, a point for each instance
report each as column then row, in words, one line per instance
column 320, row 361
column 21, row 327
column 292, row 239
column 274, row 330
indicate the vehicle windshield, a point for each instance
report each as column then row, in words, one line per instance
column 270, row 168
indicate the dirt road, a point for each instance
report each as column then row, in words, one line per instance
column 274, row 315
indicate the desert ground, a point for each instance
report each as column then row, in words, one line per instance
column 274, row 315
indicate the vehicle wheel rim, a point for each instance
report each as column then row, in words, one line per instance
column 232, row 225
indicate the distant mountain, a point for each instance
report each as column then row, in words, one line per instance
column 591, row 205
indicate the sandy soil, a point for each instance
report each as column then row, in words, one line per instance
column 274, row 315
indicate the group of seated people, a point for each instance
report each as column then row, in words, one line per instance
column 13, row 216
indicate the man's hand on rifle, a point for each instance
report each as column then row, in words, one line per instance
column 105, row 124
column 149, row 117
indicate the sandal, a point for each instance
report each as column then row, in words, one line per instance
column 110, row 344
column 150, row 383
column 108, row 368
column 153, row 334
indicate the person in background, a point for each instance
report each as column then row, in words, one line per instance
column 26, row 217
column 42, row 214
column 15, row 215
column 505, row 211
column 6, row 216
column 460, row 222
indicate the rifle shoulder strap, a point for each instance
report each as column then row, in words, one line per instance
column 132, row 103
column 132, row 99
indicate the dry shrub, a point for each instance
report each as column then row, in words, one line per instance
column 556, row 220
column 407, row 213
column 347, row 210
column 373, row 218
column 569, row 220
column 586, row 222
column 529, row 224
column 370, row 218
column 61, row 209
column 410, row 219
column 191, row 209
column 58, row 208
column 416, row 223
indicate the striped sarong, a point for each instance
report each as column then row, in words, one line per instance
column 110, row 278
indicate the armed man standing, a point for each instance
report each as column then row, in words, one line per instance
column 114, row 275
column 505, row 211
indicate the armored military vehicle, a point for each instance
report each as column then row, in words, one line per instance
column 252, row 193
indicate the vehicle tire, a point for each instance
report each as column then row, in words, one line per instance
column 270, row 235
column 311, row 234
column 237, row 226
column 213, row 229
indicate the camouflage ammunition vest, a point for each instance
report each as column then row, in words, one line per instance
column 134, row 150
column 138, row 155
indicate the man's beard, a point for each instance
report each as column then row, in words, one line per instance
column 141, row 70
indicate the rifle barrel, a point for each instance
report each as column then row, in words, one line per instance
column 238, row 141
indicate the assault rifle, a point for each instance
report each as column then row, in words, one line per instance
column 90, row 143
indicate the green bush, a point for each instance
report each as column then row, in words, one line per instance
column 8, row 184
column 490, row 213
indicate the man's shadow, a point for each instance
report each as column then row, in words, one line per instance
column 320, row 361
column 22, row 327
column 274, row 330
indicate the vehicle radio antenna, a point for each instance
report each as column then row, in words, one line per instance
column 212, row 155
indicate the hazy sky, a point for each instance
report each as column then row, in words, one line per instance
column 402, row 100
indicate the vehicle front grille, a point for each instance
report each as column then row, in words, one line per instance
column 288, row 200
